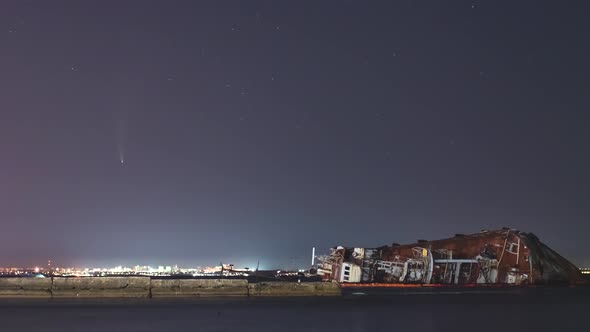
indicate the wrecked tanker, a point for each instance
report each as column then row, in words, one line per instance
column 505, row 256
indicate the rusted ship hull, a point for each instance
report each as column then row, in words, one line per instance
column 505, row 256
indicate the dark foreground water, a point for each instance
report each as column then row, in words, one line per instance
column 540, row 310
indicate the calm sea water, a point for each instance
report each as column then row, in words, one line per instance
column 540, row 310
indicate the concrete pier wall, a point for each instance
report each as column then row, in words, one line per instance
column 198, row 287
column 145, row 287
column 294, row 289
column 25, row 287
column 101, row 287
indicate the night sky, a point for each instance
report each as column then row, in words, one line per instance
column 199, row 132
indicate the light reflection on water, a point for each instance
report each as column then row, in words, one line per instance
column 559, row 310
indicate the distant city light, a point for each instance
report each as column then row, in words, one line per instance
column 228, row 270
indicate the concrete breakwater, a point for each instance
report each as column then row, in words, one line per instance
column 145, row 287
column 25, row 287
column 100, row 287
column 294, row 289
column 198, row 287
